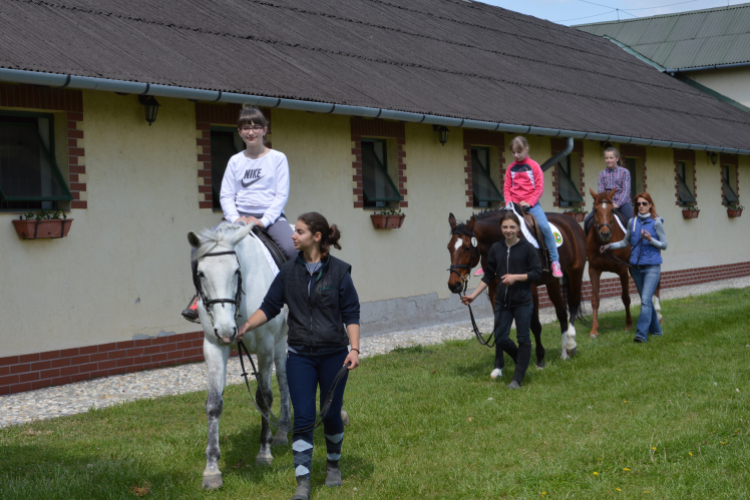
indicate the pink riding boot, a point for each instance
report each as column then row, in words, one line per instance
column 556, row 270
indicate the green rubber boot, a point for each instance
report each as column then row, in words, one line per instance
column 333, row 474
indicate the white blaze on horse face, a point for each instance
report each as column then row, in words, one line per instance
column 604, row 204
column 458, row 244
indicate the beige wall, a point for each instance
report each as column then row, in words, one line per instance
column 732, row 82
column 123, row 270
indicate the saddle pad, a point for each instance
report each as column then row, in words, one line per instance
column 527, row 233
column 266, row 253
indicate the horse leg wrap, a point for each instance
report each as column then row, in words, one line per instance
column 303, row 488
column 333, row 474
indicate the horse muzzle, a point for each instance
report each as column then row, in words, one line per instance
column 605, row 237
column 456, row 287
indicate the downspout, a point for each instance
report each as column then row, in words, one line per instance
column 126, row 87
column 559, row 156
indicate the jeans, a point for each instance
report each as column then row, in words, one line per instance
column 305, row 373
column 549, row 238
column 503, row 320
column 646, row 280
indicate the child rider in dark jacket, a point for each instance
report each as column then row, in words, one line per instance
column 516, row 264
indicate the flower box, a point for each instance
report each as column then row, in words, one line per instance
column 45, row 228
column 690, row 214
column 578, row 216
column 734, row 212
column 387, row 221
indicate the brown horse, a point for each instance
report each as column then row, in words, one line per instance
column 470, row 242
column 607, row 230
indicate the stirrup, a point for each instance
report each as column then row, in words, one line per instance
column 190, row 313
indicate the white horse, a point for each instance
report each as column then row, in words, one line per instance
column 229, row 263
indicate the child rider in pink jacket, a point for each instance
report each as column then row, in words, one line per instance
column 524, row 185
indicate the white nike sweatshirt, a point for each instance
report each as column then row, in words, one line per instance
column 255, row 186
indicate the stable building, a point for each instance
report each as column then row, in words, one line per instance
column 122, row 115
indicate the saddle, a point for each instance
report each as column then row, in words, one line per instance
column 590, row 221
column 533, row 227
column 273, row 248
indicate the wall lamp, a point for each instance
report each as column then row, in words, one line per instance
column 713, row 158
column 442, row 131
column 152, row 107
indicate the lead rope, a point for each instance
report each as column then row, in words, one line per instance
column 241, row 347
column 490, row 340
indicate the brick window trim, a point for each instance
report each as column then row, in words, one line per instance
column 377, row 128
column 27, row 372
column 207, row 115
column 558, row 145
column 633, row 151
column 686, row 156
column 732, row 161
column 33, row 98
column 481, row 138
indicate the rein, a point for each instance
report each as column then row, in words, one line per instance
column 488, row 341
column 269, row 415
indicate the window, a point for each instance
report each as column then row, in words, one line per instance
column 378, row 188
column 684, row 179
column 225, row 143
column 29, row 176
column 730, row 190
column 630, row 164
column 568, row 188
column 485, row 190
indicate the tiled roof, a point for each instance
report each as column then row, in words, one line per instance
column 443, row 57
column 685, row 40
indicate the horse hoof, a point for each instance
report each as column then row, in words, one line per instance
column 280, row 441
column 345, row 417
column 497, row 372
column 212, row 481
column 572, row 352
column 540, row 365
column 259, row 460
column 593, row 335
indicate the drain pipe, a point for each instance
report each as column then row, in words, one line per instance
column 127, row 87
column 559, row 156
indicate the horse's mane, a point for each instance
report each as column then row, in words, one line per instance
column 485, row 214
column 211, row 238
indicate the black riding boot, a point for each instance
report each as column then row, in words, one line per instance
column 522, row 362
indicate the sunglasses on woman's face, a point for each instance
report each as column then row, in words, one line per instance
column 642, row 203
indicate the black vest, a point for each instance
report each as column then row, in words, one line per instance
column 314, row 318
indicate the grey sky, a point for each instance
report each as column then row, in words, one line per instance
column 570, row 12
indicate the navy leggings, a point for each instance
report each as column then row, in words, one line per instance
column 305, row 374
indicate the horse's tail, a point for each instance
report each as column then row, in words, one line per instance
column 575, row 301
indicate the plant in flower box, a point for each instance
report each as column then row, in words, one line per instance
column 690, row 211
column 577, row 212
column 43, row 224
column 388, row 218
column 734, row 210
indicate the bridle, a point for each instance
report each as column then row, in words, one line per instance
column 613, row 258
column 489, row 341
column 597, row 226
column 208, row 302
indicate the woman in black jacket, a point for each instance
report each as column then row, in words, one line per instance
column 516, row 263
column 321, row 297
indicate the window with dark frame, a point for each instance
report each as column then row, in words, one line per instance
column 225, row 143
column 568, row 190
column 484, row 188
column 730, row 196
column 377, row 186
column 683, row 191
column 29, row 176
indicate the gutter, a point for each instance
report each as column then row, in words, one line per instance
column 676, row 71
column 126, row 87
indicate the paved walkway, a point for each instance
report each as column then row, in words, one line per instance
column 80, row 397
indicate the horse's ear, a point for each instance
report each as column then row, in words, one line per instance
column 452, row 220
column 470, row 225
column 194, row 239
column 611, row 194
column 592, row 193
column 241, row 233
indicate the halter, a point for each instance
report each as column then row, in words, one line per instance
column 207, row 302
column 606, row 224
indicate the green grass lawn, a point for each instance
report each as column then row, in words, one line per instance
column 621, row 420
